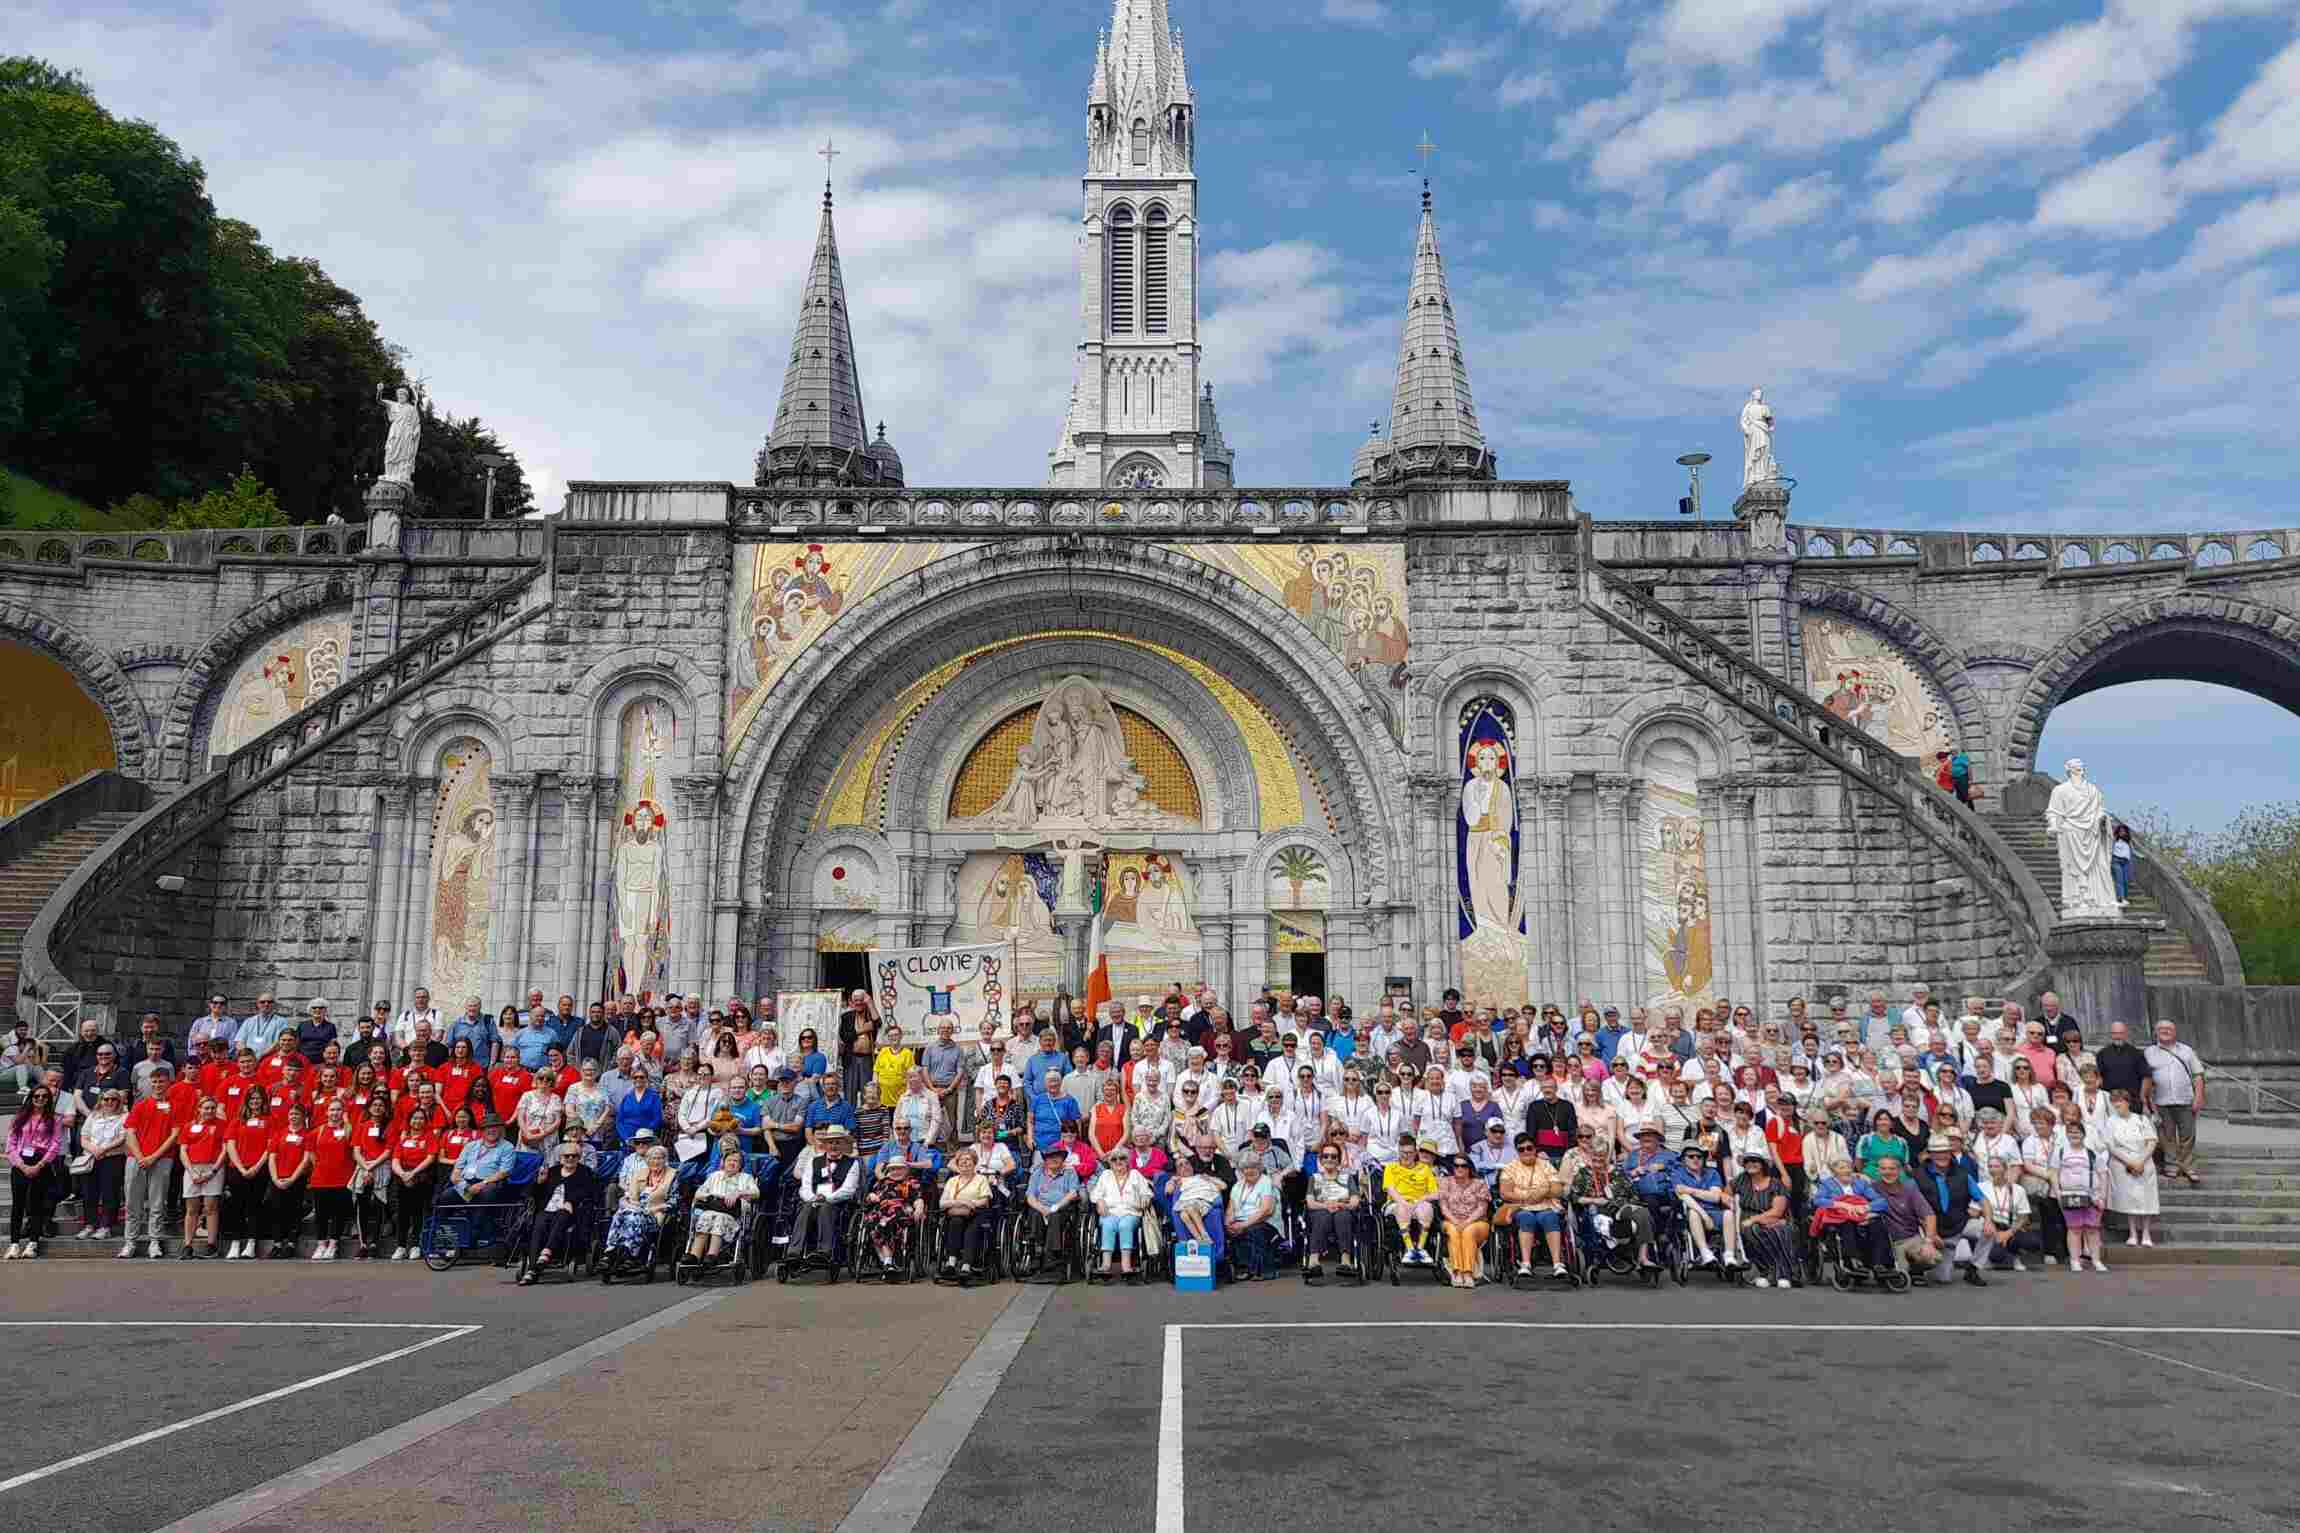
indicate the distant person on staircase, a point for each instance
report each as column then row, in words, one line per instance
column 2120, row 855
column 1961, row 776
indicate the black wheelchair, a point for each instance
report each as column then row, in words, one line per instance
column 1030, row 1251
column 1845, row 1270
column 734, row 1263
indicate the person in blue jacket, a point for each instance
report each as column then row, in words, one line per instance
column 1707, row 1204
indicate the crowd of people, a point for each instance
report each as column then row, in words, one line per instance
column 1491, row 1144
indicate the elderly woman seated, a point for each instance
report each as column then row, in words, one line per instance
column 719, row 1205
column 558, row 1197
column 1121, row 1196
column 1532, row 1192
column 893, row 1211
column 1196, row 1191
column 968, row 1221
column 648, row 1191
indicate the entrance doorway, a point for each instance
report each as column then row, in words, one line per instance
column 844, row 972
column 1308, row 973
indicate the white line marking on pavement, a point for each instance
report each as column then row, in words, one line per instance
column 894, row 1502
column 1170, row 1436
column 1693, row 1325
column 245, row 1325
column 276, row 1495
column 202, row 1419
column 2233, row 1378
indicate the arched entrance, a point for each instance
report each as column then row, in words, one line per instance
column 54, row 732
column 891, row 706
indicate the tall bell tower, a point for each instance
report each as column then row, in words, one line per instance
column 1138, row 415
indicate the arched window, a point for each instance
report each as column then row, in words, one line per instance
column 1121, row 239
column 1141, row 142
column 1154, row 272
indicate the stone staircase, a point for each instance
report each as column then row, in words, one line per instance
column 2247, row 1213
column 2170, row 956
column 29, row 878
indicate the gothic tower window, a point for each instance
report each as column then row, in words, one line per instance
column 1154, row 272
column 1141, row 142
column 1122, row 239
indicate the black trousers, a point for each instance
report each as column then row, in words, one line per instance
column 552, row 1231
column 411, row 1206
column 244, row 1195
column 1331, row 1231
column 285, row 1205
column 967, row 1236
column 331, row 1207
column 374, row 1216
column 32, row 1202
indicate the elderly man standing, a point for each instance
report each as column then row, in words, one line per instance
column 945, row 1065
column 261, row 1028
column 403, row 1029
column 2174, row 1091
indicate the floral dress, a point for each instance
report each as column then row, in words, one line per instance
column 886, row 1211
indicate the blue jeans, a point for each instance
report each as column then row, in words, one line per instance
column 2121, row 867
column 1118, row 1231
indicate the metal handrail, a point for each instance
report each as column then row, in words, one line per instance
column 168, row 827
column 1986, row 857
column 2224, row 1075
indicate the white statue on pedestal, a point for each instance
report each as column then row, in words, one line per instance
column 2077, row 817
column 1757, row 465
column 401, row 436
column 1075, row 773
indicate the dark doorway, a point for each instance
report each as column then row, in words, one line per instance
column 1309, row 973
column 845, row 971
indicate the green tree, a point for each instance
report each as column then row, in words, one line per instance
column 2249, row 871
column 245, row 502
column 450, row 481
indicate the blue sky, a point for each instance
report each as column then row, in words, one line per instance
column 2018, row 265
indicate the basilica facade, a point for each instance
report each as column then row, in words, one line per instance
column 1421, row 727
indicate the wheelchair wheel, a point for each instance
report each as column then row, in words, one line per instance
column 1834, row 1270
column 1680, row 1268
column 444, row 1249
column 1894, row 1280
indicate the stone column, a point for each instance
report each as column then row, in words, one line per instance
column 1763, row 511
column 514, row 877
column 415, row 960
column 1620, row 924
column 1435, row 798
column 1547, row 886
column 391, row 813
column 2096, row 966
column 606, row 812
column 1747, row 894
column 580, row 824
column 726, row 948
column 697, row 796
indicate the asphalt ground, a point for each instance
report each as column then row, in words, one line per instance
column 777, row 1408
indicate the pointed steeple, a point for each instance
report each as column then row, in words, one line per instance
column 820, row 433
column 1434, row 432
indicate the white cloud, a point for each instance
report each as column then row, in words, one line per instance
column 1724, row 31
column 2247, row 233
column 2258, row 138
column 1713, row 195
column 1564, row 17
column 2052, row 305
column 1452, row 60
column 2127, row 195
column 1790, row 205
column 1963, row 254
column 1356, row 13
column 1527, row 87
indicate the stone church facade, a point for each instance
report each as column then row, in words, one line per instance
column 1424, row 724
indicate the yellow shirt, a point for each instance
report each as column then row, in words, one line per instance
column 1409, row 1184
column 892, row 1068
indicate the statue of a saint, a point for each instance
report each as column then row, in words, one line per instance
column 1075, row 773
column 400, row 438
column 1757, row 465
column 2077, row 817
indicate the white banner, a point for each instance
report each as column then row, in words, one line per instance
column 918, row 987
column 797, row 1010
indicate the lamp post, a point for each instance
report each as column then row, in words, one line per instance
column 490, row 461
column 1689, row 504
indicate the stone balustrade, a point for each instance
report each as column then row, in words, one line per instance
column 204, row 550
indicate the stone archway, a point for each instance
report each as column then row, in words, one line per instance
column 198, row 688
column 98, row 674
column 2188, row 637
column 1021, row 589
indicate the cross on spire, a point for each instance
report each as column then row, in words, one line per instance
column 830, row 152
column 1425, row 149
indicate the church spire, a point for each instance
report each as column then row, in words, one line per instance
column 1434, row 432
column 819, row 435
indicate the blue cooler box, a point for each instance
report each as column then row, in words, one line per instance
column 1194, row 1266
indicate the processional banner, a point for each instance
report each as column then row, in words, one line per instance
column 920, row 987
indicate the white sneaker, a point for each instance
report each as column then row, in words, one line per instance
column 157, row 1252
column 127, row 1249
column 1557, row 1269
column 2019, row 1265
column 2052, row 1261
column 412, row 1253
column 1525, row 1269
column 398, row 1253
column 88, row 1232
column 2098, row 1265
column 318, row 1252
column 12, row 1250
column 1761, row 1281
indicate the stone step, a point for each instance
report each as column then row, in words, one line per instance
column 2247, row 1214
column 2232, row 1253
column 2217, row 1196
column 2213, row 1235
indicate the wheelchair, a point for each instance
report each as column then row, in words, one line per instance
column 455, row 1230
column 1680, row 1260
column 1029, row 1252
column 995, row 1268
column 1590, row 1255
column 669, row 1235
column 734, row 1262
column 796, row 1260
column 862, row 1257
column 1390, row 1249
column 1844, row 1273
column 584, row 1244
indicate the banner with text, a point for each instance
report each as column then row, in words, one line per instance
column 919, row 987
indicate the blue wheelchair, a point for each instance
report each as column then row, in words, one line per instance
column 455, row 1230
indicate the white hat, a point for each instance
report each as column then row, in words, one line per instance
column 1146, row 1000
column 318, row 1003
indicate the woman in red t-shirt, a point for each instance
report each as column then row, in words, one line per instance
column 238, row 1084
column 365, row 1086
column 410, row 1072
column 247, row 1145
column 288, row 1168
column 461, row 1072
column 334, row 1157
column 461, row 1130
column 415, row 1167
column 506, row 1084
column 371, row 1175
column 203, row 1150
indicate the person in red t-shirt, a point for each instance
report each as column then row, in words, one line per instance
column 247, row 1147
column 424, row 1098
column 183, row 1100
column 293, row 1085
column 460, row 1131
column 415, row 1167
column 203, row 1147
column 152, row 1137
column 275, row 1064
column 365, row 1086
column 459, row 1075
column 506, row 1084
column 333, row 1159
column 214, row 1067
column 237, row 1086
column 288, row 1168
column 556, row 1073
column 371, row 1180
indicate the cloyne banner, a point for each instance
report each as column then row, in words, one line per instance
column 920, row 986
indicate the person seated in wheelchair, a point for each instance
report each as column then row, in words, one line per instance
column 481, row 1169
column 1467, row 1208
column 1331, row 1200
column 720, row 1203
column 1409, row 1193
column 827, row 1178
column 1196, row 1190
column 894, row 1215
column 1608, row 1214
column 907, row 1148
column 649, row 1190
column 1490, row 1152
column 1850, row 1209
column 1054, row 1197
column 968, row 1219
column 1252, row 1224
column 1707, row 1206
column 1532, row 1192
column 556, row 1200
column 1121, row 1196
column 1652, row 1173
